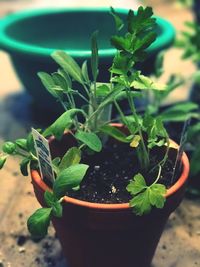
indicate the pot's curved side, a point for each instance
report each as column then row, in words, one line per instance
column 96, row 235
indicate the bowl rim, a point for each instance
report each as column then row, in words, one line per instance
column 11, row 45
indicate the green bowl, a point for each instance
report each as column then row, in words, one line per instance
column 31, row 36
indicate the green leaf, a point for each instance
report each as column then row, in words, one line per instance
column 141, row 21
column 156, row 195
column 50, row 198
column 141, row 204
column 9, row 147
column 180, row 112
column 89, row 139
column 102, row 90
column 63, row 122
column 114, row 132
column 136, row 185
column 159, row 70
column 24, row 166
column 110, row 97
column 30, row 143
column 60, row 81
column 57, row 209
column 144, row 83
column 69, row 65
column 85, row 72
column 121, row 63
column 2, row 161
column 118, row 21
column 52, row 201
column 136, row 141
column 94, row 58
column 145, row 197
column 48, row 83
column 72, row 157
column 21, row 143
column 68, row 179
column 66, row 76
column 39, row 221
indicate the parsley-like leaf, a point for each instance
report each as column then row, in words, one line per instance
column 145, row 197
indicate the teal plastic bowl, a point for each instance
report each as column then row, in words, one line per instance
column 31, row 36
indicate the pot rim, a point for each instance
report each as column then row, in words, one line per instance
column 100, row 206
column 166, row 37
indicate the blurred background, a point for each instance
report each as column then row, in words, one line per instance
column 179, row 246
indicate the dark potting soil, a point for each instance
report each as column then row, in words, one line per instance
column 112, row 169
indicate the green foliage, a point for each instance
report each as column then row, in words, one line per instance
column 54, row 203
column 24, row 166
column 89, row 139
column 145, row 197
column 189, row 42
column 94, row 58
column 180, row 112
column 64, row 122
column 2, row 161
column 9, row 148
column 71, row 157
column 69, row 65
column 68, row 179
column 39, row 221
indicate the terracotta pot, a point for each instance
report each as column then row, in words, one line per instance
column 109, row 235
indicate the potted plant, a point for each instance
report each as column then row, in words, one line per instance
column 115, row 183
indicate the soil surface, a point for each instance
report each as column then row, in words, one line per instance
column 114, row 167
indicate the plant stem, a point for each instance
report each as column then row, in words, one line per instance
column 144, row 155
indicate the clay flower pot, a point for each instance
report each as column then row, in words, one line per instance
column 107, row 235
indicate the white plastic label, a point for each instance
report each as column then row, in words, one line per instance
column 44, row 156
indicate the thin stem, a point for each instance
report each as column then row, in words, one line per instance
column 159, row 173
column 144, row 149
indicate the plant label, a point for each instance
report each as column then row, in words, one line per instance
column 44, row 156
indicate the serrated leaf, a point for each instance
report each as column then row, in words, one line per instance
column 89, row 139
column 69, row 65
column 156, row 195
column 145, row 197
column 94, row 57
column 39, row 221
column 68, row 179
column 72, row 156
column 141, row 204
column 114, row 132
column 24, row 166
column 63, row 122
column 145, row 83
column 136, row 185
column 141, row 20
column 136, row 141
